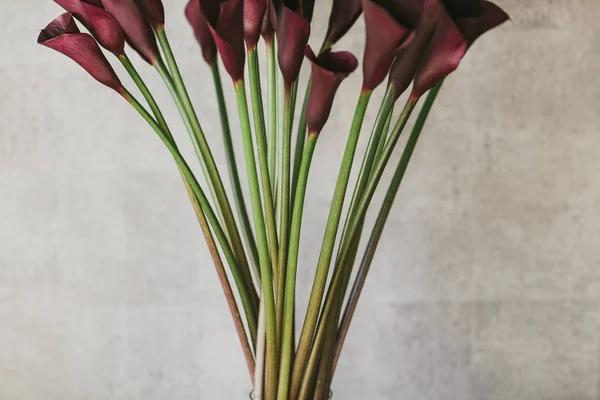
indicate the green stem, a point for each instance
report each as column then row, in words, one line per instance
column 380, row 223
column 346, row 252
column 207, row 157
column 367, row 164
column 284, row 197
column 234, row 176
column 331, row 229
column 384, row 135
column 272, row 132
column 145, row 92
column 263, row 247
column 261, row 146
column 244, row 291
column 300, row 139
column 287, row 346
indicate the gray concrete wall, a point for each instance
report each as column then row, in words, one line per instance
column 486, row 286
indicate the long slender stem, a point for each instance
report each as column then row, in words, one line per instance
column 331, row 229
column 272, row 131
column 292, row 266
column 244, row 291
column 234, row 176
column 212, row 247
column 380, row 224
column 207, row 157
column 263, row 247
column 261, row 146
column 284, row 197
column 300, row 139
column 259, row 371
column 338, row 276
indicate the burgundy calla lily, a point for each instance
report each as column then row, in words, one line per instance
column 101, row 24
column 329, row 69
column 153, row 10
column 403, row 69
column 473, row 28
column 268, row 25
column 193, row 13
column 450, row 43
column 254, row 15
column 63, row 36
column 138, row 32
column 464, row 8
column 293, row 34
column 387, row 33
column 226, row 23
column 344, row 13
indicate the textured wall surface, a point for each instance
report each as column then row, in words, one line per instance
column 486, row 286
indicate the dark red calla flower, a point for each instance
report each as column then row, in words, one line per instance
column 254, row 15
column 269, row 22
column 101, row 24
column 387, row 33
column 63, row 36
column 138, row 32
column 403, row 69
column 328, row 71
column 446, row 50
column 464, row 8
column 293, row 34
column 226, row 23
column 344, row 13
column 193, row 13
column 153, row 10
column 473, row 28
column 450, row 43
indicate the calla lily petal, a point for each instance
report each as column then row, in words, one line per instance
column 63, row 36
column 138, row 32
column 446, row 50
column 404, row 67
column 344, row 13
column 293, row 34
column 473, row 28
column 101, row 24
column 328, row 71
column 254, row 15
column 268, row 25
column 464, row 8
column 153, row 10
column 226, row 23
column 193, row 13
column 386, row 36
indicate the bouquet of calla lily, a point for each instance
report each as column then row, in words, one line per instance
column 414, row 43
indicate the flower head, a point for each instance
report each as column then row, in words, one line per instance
column 64, row 36
column 101, row 24
column 344, row 14
column 254, row 16
column 329, row 69
column 225, row 20
column 388, row 32
column 138, row 32
column 453, row 36
column 193, row 13
column 153, row 10
column 293, row 33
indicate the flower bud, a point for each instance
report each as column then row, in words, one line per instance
column 293, row 34
column 344, row 14
column 154, row 11
column 193, row 13
column 101, row 24
column 63, row 36
column 329, row 69
column 138, row 32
